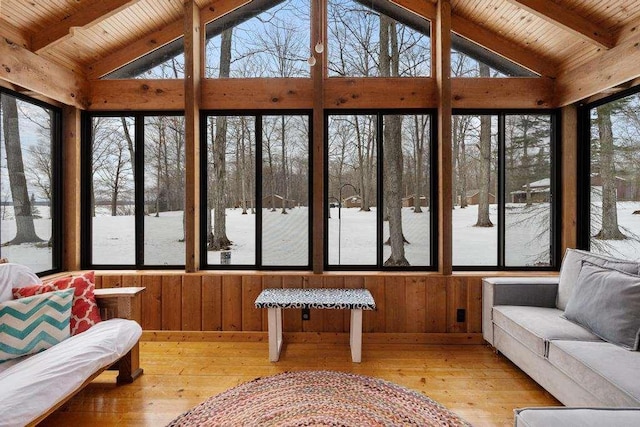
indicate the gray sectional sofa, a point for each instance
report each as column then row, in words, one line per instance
column 524, row 319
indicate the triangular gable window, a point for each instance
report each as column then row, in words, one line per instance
column 356, row 42
column 166, row 62
column 264, row 38
column 469, row 59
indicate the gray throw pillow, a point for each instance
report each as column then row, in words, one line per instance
column 607, row 302
column 572, row 263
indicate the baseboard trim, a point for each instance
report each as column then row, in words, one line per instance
column 316, row 337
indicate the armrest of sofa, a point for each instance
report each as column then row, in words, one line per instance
column 125, row 303
column 531, row 291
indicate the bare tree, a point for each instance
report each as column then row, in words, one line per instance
column 217, row 238
column 25, row 228
column 484, row 183
column 610, row 229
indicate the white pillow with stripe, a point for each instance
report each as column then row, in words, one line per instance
column 32, row 324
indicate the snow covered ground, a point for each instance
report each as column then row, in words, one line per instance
column 286, row 238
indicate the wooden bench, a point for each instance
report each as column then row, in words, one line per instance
column 276, row 299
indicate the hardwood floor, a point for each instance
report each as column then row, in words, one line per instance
column 471, row 380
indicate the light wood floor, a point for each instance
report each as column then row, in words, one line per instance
column 471, row 380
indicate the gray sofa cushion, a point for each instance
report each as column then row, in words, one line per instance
column 577, row 417
column 610, row 372
column 607, row 302
column 572, row 264
column 535, row 326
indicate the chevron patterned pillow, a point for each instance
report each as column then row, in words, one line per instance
column 84, row 312
column 32, row 324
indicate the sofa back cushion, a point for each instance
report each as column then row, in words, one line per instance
column 607, row 302
column 15, row 275
column 29, row 325
column 572, row 264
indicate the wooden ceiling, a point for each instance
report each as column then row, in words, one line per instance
column 93, row 37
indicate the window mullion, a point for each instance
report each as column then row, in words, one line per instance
column 138, row 161
column 501, row 190
column 258, row 189
column 379, row 190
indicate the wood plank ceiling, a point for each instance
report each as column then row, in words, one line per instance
column 550, row 37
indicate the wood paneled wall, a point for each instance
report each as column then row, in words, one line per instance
column 214, row 301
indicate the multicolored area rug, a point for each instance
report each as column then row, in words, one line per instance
column 323, row 398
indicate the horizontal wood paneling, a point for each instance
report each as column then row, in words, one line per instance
column 214, row 301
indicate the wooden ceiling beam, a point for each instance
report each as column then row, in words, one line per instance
column 556, row 14
column 611, row 69
column 214, row 9
column 486, row 38
column 502, row 46
column 92, row 13
column 25, row 69
column 14, row 34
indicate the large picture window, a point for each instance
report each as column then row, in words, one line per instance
column 379, row 190
column 256, row 196
column 29, row 183
column 504, row 190
column 611, row 182
column 134, row 191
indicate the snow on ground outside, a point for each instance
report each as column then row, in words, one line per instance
column 285, row 238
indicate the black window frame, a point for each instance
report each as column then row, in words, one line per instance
column 257, row 115
column 433, row 189
column 555, row 187
column 86, row 256
column 56, row 211
column 583, row 166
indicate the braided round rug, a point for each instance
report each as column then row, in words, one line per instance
column 323, row 398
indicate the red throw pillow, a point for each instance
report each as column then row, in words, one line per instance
column 84, row 311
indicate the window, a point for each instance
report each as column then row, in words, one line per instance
column 166, row 62
column 379, row 187
column 611, row 182
column 358, row 32
column 469, row 59
column 30, row 183
column 504, row 190
column 260, row 40
column 134, row 191
column 256, row 198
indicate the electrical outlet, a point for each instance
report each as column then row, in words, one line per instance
column 306, row 314
column 461, row 315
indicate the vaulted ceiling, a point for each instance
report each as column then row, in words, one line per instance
column 93, row 37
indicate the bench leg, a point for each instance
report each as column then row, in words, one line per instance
column 129, row 366
column 355, row 336
column 275, row 333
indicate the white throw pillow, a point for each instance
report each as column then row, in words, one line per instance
column 15, row 276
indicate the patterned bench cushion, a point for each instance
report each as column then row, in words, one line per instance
column 316, row 298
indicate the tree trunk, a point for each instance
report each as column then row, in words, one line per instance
column 218, row 239
column 25, row 229
column 284, row 166
column 610, row 229
column 392, row 149
column 130, row 146
column 419, row 154
column 485, row 164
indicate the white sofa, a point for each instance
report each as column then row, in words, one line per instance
column 32, row 387
column 522, row 319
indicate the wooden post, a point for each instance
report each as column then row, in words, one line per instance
column 568, row 168
column 193, row 40
column 71, row 188
column 317, row 169
column 443, row 80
